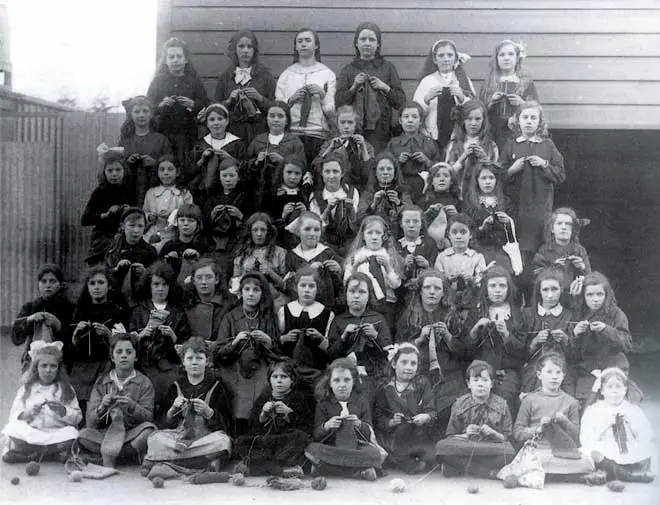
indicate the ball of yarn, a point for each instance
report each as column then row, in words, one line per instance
column 15, row 481
column 32, row 468
column 510, row 481
column 238, row 479
column 319, row 483
column 158, row 482
column 241, row 468
column 473, row 489
column 397, row 485
column 76, row 476
column 616, row 486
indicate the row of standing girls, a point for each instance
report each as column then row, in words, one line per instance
column 268, row 238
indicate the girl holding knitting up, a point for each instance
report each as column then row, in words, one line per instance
column 344, row 441
column 404, row 412
column 418, row 251
column 121, row 408
column 45, row 412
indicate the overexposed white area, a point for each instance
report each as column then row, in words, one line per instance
column 82, row 48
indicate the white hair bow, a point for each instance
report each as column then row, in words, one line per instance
column 103, row 149
column 39, row 345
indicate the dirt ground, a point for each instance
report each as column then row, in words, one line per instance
column 51, row 485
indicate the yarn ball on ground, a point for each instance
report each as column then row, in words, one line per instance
column 616, row 486
column 32, row 468
column 510, row 481
column 319, row 483
column 238, row 479
column 15, row 481
column 158, row 482
column 76, row 476
column 473, row 489
column 397, row 485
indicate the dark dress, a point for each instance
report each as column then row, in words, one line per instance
column 491, row 237
column 410, row 169
column 329, row 291
column 274, row 202
column 204, row 318
column 127, row 278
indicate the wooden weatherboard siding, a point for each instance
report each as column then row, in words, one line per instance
column 596, row 64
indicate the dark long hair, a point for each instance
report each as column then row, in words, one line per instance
column 317, row 42
column 162, row 69
column 233, row 43
column 246, row 245
column 163, row 270
column 127, row 129
column 368, row 25
column 322, row 391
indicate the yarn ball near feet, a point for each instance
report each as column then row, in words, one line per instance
column 32, row 468
column 158, row 482
column 238, row 479
column 397, row 485
column 319, row 483
column 510, row 481
column 616, row 486
column 15, row 481
column 473, row 489
column 76, row 476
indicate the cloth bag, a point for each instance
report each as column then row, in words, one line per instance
column 526, row 467
column 512, row 249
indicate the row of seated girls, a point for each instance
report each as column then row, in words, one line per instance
column 298, row 302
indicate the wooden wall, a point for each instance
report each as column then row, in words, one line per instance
column 596, row 63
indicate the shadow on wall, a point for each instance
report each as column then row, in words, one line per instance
column 613, row 179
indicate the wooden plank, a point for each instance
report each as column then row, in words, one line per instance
column 424, row 4
column 541, row 69
column 513, row 21
column 404, row 44
column 628, row 117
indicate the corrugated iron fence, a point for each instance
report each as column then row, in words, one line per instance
column 48, row 168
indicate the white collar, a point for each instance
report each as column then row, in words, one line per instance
column 275, row 140
column 410, row 245
column 242, row 75
column 161, row 190
column 502, row 313
column 121, row 383
column 340, row 194
column 283, row 190
column 468, row 252
column 220, row 143
column 509, row 78
column 535, row 139
column 309, row 254
column 555, row 311
column 296, row 308
column 488, row 200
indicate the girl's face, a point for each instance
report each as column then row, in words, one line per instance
column 480, row 385
column 244, row 51
column 385, row 172
column 97, row 286
column 310, row 233
column 366, row 44
column 187, row 226
column 306, row 45
column 217, row 124
column 551, row 376
column 133, row 228
column 405, row 367
column 47, row 369
column 114, row 172
column 331, row 175
column 124, row 356
column 48, row 285
column 497, row 289
column 562, row 228
column 195, row 363
column 291, row 175
column 431, row 291
column 280, row 382
column 307, row 290
column 346, row 123
column 259, row 233
column 486, row 181
column 445, row 58
column 167, row 173
column 357, row 295
column 614, row 391
column 410, row 120
column 594, row 296
column 175, row 59
column 205, row 281
column 507, row 58
column 474, row 122
column 229, row 178
column 459, row 236
column 441, row 181
column 550, row 292
column 411, row 222
column 373, row 236
column 159, row 289
column 251, row 293
column 276, row 119
column 529, row 120
column 141, row 115
column 341, row 383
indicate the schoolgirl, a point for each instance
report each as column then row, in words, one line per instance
column 107, row 201
column 246, row 87
column 371, row 85
column 460, row 260
column 441, row 190
column 418, row 251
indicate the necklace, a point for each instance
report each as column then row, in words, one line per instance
column 254, row 316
